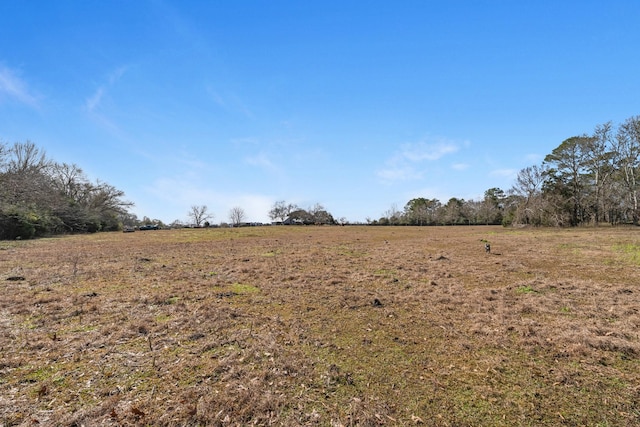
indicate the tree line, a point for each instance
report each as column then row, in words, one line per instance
column 281, row 213
column 588, row 179
column 423, row 211
column 39, row 196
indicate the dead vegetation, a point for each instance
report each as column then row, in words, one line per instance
column 322, row 326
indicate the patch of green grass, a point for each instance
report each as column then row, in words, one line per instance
column 84, row 328
column 470, row 406
column 161, row 318
column 346, row 250
column 172, row 300
column 271, row 254
column 39, row 374
column 384, row 272
column 526, row 289
column 243, row 288
column 570, row 247
column 631, row 250
column 32, row 322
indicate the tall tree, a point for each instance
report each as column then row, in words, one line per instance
column 199, row 214
column 68, row 179
column 421, row 211
column 598, row 158
column 567, row 172
column 627, row 152
column 492, row 206
column 453, row 211
column 528, row 187
column 25, row 174
column 237, row 216
column 27, row 157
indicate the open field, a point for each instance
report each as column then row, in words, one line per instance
column 322, row 326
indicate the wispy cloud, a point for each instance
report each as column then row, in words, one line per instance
column 246, row 141
column 116, row 74
column 396, row 173
column 263, row 161
column 506, row 173
column 230, row 102
column 423, row 151
column 460, row 166
column 14, row 87
column 534, row 158
column 404, row 164
column 93, row 102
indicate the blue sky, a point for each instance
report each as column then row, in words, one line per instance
column 356, row 105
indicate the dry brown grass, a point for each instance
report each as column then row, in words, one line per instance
column 322, row 326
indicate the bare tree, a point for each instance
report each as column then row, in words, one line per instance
column 600, row 167
column 392, row 215
column 27, row 157
column 107, row 198
column 68, row 179
column 528, row 189
column 4, row 151
column 281, row 210
column 24, row 173
column 237, row 216
column 199, row 214
column 627, row 149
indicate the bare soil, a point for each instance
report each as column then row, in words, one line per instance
column 322, row 326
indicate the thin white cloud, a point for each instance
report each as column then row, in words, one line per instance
column 534, row 158
column 402, row 165
column 230, row 102
column 460, row 166
column 116, row 74
column 263, row 161
column 216, row 97
column 12, row 86
column 507, row 173
column 93, row 104
column 404, row 173
column 94, row 100
column 249, row 140
column 423, row 151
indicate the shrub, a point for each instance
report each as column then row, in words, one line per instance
column 15, row 224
